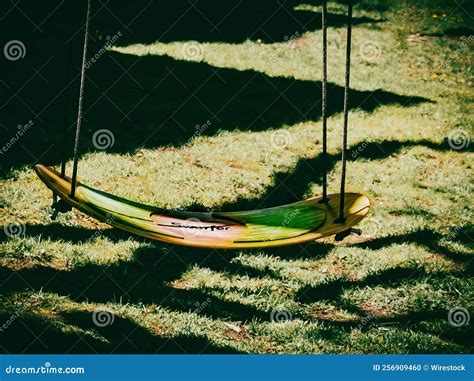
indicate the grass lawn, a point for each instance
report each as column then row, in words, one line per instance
column 235, row 124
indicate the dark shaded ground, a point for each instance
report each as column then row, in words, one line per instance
column 144, row 101
column 40, row 334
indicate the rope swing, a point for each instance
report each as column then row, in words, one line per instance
column 81, row 101
column 341, row 218
column 324, row 101
column 314, row 218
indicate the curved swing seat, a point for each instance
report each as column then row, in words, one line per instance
column 283, row 225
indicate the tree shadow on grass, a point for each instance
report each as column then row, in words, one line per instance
column 72, row 234
column 207, row 21
column 153, row 277
column 146, row 279
column 152, row 101
column 394, row 277
column 432, row 241
column 291, row 186
column 75, row 332
column 42, row 86
column 333, row 289
column 232, row 21
column 459, row 31
column 432, row 320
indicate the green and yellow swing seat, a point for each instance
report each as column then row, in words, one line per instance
column 283, row 225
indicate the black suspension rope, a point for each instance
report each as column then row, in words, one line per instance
column 66, row 114
column 79, row 109
column 324, row 102
column 342, row 218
